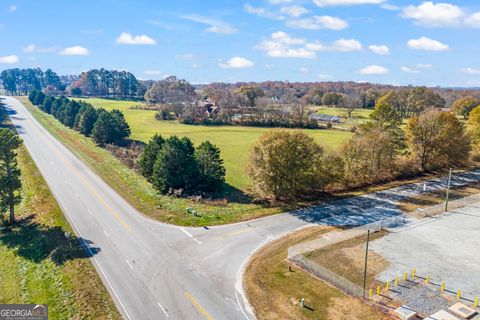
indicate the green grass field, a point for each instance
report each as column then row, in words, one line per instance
column 233, row 141
column 358, row 116
column 141, row 194
column 39, row 265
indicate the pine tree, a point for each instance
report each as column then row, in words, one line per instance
column 9, row 172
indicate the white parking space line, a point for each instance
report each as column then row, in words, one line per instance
column 106, row 234
column 163, row 310
column 190, row 235
column 131, row 267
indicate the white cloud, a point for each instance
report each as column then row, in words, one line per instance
column 391, row 7
column 31, row 48
column 262, row 12
column 215, row 26
column 409, row 70
column 417, row 69
column 294, row 11
column 127, row 38
column 75, row 51
column 282, row 45
column 434, row 14
column 373, row 69
column 427, row 44
column 379, row 49
column 153, row 72
column 473, row 20
column 12, row 8
column 470, row 70
column 331, row 3
column 304, row 70
column 317, row 23
column 346, row 45
column 237, row 63
column 11, row 59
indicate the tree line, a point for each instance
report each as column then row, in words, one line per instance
column 175, row 166
column 105, row 127
column 280, row 104
column 21, row 81
column 286, row 165
column 107, row 84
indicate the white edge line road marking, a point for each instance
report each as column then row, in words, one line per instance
column 90, row 212
column 131, row 267
column 190, row 235
column 91, row 253
column 106, row 234
column 164, row 311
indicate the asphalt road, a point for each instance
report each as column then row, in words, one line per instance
column 157, row 271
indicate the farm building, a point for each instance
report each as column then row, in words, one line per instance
column 325, row 118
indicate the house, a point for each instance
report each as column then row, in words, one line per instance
column 206, row 109
column 325, row 118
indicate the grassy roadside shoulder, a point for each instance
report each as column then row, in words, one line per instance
column 137, row 191
column 268, row 283
column 39, row 265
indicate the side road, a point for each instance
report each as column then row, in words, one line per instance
column 154, row 270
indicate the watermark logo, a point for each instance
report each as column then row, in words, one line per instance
column 23, row 312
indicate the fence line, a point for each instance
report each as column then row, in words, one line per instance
column 334, row 237
column 453, row 204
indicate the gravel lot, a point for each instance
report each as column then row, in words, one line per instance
column 446, row 247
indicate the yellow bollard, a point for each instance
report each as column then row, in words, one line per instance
column 442, row 288
column 405, row 276
column 388, row 285
column 378, row 290
column 475, row 304
column 414, row 272
column 458, row 294
column 396, row 280
column 426, row 280
column 370, row 294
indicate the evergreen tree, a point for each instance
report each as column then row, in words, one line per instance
column 175, row 166
column 9, row 172
column 39, row 98
column 149, row 156
column 211, row 168
column 47, row 104
column 85, row 119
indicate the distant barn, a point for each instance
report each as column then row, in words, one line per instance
column 325, row 118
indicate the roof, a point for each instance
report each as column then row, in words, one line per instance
column 324, row 117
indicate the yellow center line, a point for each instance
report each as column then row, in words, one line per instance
column 87, row 184
column 198, row 306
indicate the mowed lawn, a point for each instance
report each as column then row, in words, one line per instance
column 233, row 141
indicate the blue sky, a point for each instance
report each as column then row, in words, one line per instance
column 382, row 41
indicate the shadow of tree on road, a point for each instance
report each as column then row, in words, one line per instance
column 37, row 242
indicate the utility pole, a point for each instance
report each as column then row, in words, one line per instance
column 448, row 189
column 366, row 260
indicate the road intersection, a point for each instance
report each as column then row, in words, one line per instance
column 157, row 271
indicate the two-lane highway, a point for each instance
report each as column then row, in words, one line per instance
column 147, row 278
column 156, row 271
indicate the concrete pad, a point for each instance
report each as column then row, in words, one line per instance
column 406, row 313
column 442, row 247
column 442, row 315
column 462, row 310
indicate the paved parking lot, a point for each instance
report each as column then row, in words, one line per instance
column 447, row 248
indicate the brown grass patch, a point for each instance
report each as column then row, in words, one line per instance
column 274, row 292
